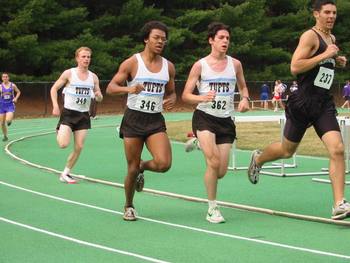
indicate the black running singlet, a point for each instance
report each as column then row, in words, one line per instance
column 318, row 80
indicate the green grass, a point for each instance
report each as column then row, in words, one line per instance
column 255, row 136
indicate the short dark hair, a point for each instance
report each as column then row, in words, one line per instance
column 214, row 27
column 317, row 6
column 149, row 26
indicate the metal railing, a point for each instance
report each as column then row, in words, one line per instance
column 35, row 98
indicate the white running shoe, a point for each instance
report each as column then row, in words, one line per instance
column 192, row 144
column 130, row 214
column 214, row 216
column 341, row 211
column 67, row 179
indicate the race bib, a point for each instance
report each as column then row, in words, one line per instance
column 7, row 97
column 81, row 100
column 148, row 103
column 324, row 78
column 220, row 105
column 84, row 93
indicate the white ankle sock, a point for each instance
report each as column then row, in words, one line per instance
column 212, row 204
column 66, row 171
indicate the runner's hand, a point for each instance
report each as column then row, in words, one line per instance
column 56, row 111
column 136, row 89
column 341, row 61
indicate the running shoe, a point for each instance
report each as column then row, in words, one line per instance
column 341, row 211
column 214, row 216
column 192, row 144
column 130, row 214
column 5, row 139
column 140, row 182
column 67, row 179
column 254, row 168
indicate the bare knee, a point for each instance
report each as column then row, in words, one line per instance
column 214, row 163
column 62, row 141
column 78, row 148
column 337, row 151
column 287, row 154
column 222, row 173
column 163, row 165
column 62, row 144
column 133, row 169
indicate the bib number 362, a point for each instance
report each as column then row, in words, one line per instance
column 219, row 105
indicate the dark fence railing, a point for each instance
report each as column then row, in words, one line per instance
column 35, row 98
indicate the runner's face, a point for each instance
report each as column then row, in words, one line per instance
column 5, row 78
column 221, row 41
column 326, row 16
column 83, row 58
column 156, row 41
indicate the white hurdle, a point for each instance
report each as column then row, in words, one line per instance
column 268, row 118
column 344, row 123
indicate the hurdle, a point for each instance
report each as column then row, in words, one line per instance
column 268, row 118
column 344, row 126
column 282, row 172
column 254, row 102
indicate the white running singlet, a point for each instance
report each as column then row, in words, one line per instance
column 149, row 100
column 223, row 83
column 78, row 94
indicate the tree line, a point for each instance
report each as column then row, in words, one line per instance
column 38, row 37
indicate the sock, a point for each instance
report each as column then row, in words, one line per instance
column 66, row 171
column 212, row 204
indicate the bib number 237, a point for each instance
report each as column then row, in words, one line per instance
column 324, row 78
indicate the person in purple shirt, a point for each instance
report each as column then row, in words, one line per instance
column 9, row 94
column 346, row 95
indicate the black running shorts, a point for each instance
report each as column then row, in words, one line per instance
column 141, row 124
column 76, row 120
column 322, row 116
column 223, row 128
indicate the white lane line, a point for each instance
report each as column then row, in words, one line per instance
column 19, row 131
column 188, row 198
column 30, row 131
column 82, row 242
column 270, row 243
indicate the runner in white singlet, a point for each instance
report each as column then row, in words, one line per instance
column 148, row 79
column 212, row 122
column 80, row 85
